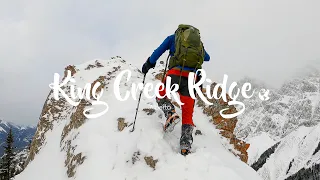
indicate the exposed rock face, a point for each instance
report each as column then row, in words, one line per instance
column 135, row 157
column 198, row 132
column 147, row 159
column 53, row 111
column 77, row 120
column 159, row 76
column 226, row 126
column 97, row 64
column 58, row 111
column 122, row 124
column 150, row 161
column 149, row 111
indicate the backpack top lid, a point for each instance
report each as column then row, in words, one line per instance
column 189, row 33
column 186, row 26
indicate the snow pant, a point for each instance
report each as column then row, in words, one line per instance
column 188, row 102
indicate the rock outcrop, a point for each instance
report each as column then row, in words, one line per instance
column 57, row 111
column 226, row 126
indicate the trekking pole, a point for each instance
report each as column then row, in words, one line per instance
column 165, row 69
column 135, row 118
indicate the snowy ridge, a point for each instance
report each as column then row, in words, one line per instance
column 3, row 123
column 104, row 148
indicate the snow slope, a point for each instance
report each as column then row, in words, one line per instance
column 300, row 149
column 258, row 145
column 98, row 149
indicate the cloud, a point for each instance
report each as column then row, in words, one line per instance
column 267, row 40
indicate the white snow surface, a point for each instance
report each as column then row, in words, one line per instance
column 258, row 145
column 49, row 163
column 109, row 152
column 3, row 122
column 297, row 149
column 1, row 129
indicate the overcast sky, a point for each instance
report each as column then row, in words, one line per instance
column 265, row 39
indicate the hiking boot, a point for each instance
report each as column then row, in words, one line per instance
column 186, row 139
column 171, row 122
column 169, row 111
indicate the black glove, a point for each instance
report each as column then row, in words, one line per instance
column 147, row 65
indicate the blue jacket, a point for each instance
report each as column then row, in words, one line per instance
column 168, row 44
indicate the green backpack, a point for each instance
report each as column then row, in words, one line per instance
column 189, row 51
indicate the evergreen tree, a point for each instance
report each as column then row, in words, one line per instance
column 1, row 169
column 7, row 164
column 29, row 145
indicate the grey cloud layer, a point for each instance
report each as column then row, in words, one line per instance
column 267, row 40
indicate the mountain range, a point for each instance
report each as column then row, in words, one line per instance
column 22, row 135
column 284, row 132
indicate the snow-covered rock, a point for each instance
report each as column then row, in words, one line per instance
column 19, row 160
column 68, row 145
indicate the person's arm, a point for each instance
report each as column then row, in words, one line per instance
column 161, row 49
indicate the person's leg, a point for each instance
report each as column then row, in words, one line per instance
column 186, row 139
column 168, row 109
column 187, row 109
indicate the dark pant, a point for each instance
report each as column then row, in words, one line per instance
column 187, row 108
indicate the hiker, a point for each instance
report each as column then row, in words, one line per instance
column 187, row 54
